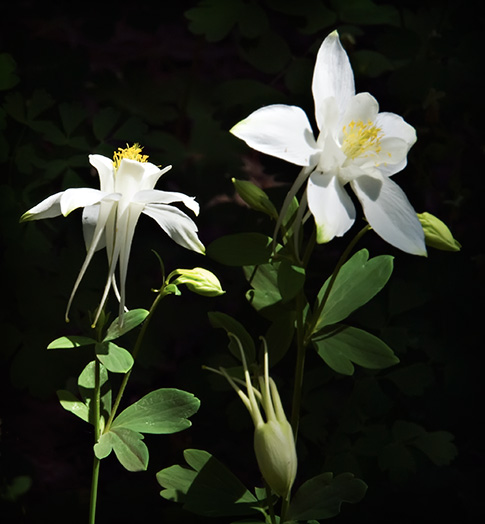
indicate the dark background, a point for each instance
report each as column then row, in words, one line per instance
column 175, row 78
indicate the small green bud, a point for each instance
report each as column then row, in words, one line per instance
column 274, row 444
column 255, row 197
column 200, row 281
column 437, row 234
column 274, row 447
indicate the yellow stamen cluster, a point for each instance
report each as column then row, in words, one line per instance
column 131, row 153
column 361, row 139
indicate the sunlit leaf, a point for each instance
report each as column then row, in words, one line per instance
column 342, row 345
column 71, row 403
column 131, row 320
column 86, row 385
column 70, row 341
column 358, row 280
column 128, row 446
column 114, row 358
column 161, row 411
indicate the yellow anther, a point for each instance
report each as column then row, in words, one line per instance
column 131, row 153
column 361, row 139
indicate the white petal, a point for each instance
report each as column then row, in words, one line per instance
column 106, row 209
column 332, row 76
column 362, row 107
column 129, row 178
column 156, row 196
column 281, row 131
column 48, row 208
column 80, row 197
column 390, row 214
column 105, row 168
column 178, row 226
column 395, row 126
column 90, row 219
column 126, row 231
column 330, row 205
column 153, row 175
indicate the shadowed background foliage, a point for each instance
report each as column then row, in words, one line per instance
column 176, row 78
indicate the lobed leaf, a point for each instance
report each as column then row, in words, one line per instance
column 341, row 345
column 162, row 411
column 358, row 280
column 322, row 496
column 114, row 358
column 206, row 488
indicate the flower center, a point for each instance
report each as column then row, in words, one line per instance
column 131, row 153
column 361, row 139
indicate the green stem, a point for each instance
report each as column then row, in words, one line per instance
column 299, row 367
column 96, row 462
column 284, row 508
column 269, row 501
column 135, row 352
column 343, row 258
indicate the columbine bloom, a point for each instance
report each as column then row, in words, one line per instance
column 274, row 444
column 356, row 145
column 111, row 213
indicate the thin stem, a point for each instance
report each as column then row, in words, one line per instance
column 94, row 490
column 135, row 352
column 269, row 501
column 340, row 263
column 96, row 462
column 300, row 366
column 284, row 508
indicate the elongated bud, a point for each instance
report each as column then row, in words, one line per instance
column 255, row 197
column 200, row 281
column 274, row 447
column 437, row 234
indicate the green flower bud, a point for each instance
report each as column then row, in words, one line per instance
column 274, row 447
column 200, row 281
column 437, row 234
column 274, row 444
column 255, row 197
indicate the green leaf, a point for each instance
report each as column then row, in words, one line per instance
column 161, row 411
column 231, row 325
column 131, row 320
column 86, row 385
column 437, row 446
column 273, row 283
column 8, row 76
column 269, row 53
column 413, row 379
column 128, row 446
column 322, row 496
column 114, row 358
column 358, row 280
column 341, row 345
column 214, row 18
column 70, row 341
column 241, row 249
column 208, row 488
column 104, row 122
column 71, row 403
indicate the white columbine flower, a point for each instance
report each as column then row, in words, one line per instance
column 356, row 145
column 111, row 213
